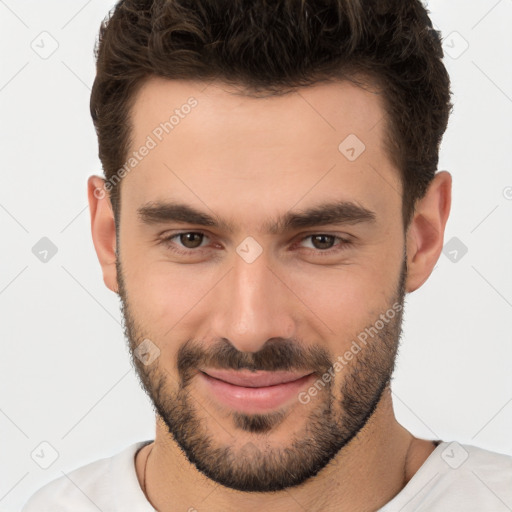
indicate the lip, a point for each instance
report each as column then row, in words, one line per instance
column 253, row 392
column 259, row 379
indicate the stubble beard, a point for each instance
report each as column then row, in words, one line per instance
column 252, row 463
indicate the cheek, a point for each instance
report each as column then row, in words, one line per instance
column 343, row 299
column 348, row 299
column 163, row 296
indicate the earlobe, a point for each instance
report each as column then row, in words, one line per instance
column 425, row 236
column 103, row 230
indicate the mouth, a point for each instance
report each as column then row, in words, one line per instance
column 253, row 392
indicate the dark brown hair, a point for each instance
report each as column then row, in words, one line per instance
column 271, row 47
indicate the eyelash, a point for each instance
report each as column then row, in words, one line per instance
column 343, row 244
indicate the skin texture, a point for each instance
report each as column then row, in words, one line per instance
column 247, row 161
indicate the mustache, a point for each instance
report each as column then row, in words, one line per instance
column 277, row 354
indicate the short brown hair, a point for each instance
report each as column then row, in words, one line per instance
column 272, row 47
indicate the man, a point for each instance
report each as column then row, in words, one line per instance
column 270, row 196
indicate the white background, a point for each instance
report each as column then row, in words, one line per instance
column 65, row 372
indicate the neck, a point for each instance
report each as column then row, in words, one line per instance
column 383, row 457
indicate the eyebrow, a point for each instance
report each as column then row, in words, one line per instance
column 338, row 212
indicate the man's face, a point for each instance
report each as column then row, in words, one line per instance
column 299, row 264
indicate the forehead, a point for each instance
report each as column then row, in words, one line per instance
column 210, row 145
column 336, row 106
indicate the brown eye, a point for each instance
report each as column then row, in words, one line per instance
column 323, row 241
column 191, row 240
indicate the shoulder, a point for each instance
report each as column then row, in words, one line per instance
column 469, row 462
column 473, row 479
column 87, row 488
column 458, row 477
column 483, row 468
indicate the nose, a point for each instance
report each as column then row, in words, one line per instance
column 252, row 305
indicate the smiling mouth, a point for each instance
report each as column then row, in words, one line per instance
column 259, row 379
column 254, row 392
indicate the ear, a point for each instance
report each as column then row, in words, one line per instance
column 103, row 230
column 425, row 235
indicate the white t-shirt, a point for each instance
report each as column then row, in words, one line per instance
column 454, row 478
